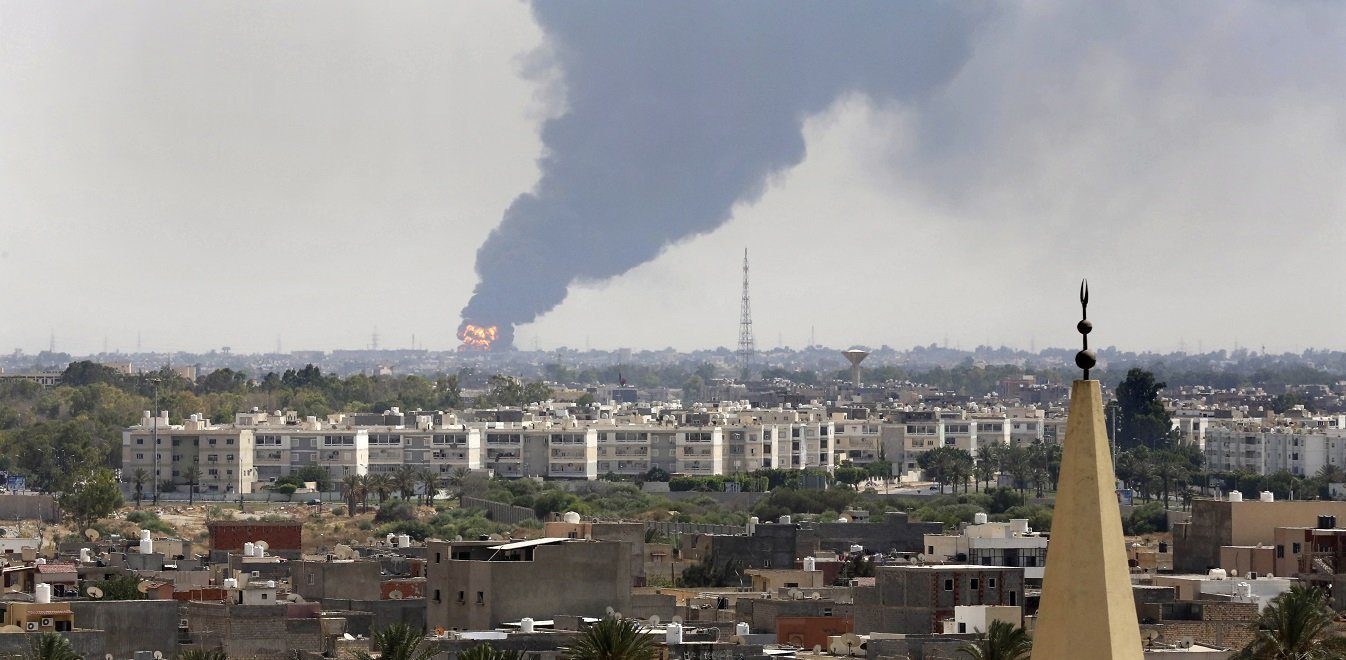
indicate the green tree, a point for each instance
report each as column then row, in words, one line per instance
column 848, row 474
column 946, row 465
column 85, row 372
column 98, row 496
column 380, row 485
column 1002, row 641
column 988, row 463
column 1142, row 420
column 1296, row 625
column 119, row 587
column 398, row 641
column 51, row 646
column 880, row 469
column 612, row 639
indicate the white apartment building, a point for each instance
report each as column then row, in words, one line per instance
column 196, row 453
column 1252, row 445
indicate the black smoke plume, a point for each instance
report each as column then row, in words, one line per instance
column 675, row 111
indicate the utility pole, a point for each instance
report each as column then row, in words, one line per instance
column 155, row 440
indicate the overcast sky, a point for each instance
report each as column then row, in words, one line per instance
column 216, row 174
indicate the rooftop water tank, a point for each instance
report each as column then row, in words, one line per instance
column 979, row 518
column 404, row 541
column 1217, row 574
column 1267, row 496
column 248, row 548
column 810, row 563
column 144, row 535
column 785, row 520
column 673, row 633
column 1235, row 496
column 42, row 593
column 526, row 625
column 570, row 517
column 146, row 547
column 741, row 629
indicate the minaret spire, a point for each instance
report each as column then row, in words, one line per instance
column 1087, row 609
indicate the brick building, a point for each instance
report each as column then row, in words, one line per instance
column 283, row 538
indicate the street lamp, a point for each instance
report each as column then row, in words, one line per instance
column 154, row 441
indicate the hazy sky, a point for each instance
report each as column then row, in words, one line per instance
column 208, row 174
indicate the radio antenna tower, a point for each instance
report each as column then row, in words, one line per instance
column 746, row 347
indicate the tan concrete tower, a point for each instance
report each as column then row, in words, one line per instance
column 1087, row 610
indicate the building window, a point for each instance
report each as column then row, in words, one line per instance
column 1014, row 598
column 948, row 585
column 481, row 598
column 436, row 595
column 462, row 596
column 1295, row 548
column 974, row 584
column 437, row 559
column 1280, row 552
column 990, row 583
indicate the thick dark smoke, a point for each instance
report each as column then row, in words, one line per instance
column 674, row 112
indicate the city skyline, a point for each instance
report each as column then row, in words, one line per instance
column 186, row 178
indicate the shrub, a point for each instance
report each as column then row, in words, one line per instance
column 395, row 511
column 151, row 521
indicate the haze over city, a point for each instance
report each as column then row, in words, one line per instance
column 183, row 177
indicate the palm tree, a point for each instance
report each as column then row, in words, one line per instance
column 429, row 484
column 986, row 464
column 379, row 484
column 1003, row 641
column 353, row 490
column 51, row 646
column 398, row 641
column 488, row 652
column 457, row 479
column 138, row 479
column 192, row 475
column 405, row 480
column 612, row 639
column 1296, row 625
column 203, row 654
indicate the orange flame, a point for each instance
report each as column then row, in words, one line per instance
column 476, row 337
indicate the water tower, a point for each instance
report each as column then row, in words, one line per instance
column 856, row 356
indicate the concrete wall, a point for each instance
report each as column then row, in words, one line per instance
column 499, row 511
column 316, row 580
column 132, row 625
column 913, row 599
column 40, row 507
column 894, row 532
column 252, row 632
column 383, row 613
column 1215, row 523
column 761, row 614
column 87, row 643
column 583, row 578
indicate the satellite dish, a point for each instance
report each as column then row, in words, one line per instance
column 616, row 615
column 143, row 587
column 1149, row 635
column 91, row 534
column 347, row 636
column 263, row 545
column 796, row 594
column 608, row 610
column 654, row 620
column 395, row 594
column 815, row 595
column 158, row 655
column 107, row 657
column 677, row 619
column 817, row 648
column 94, row 592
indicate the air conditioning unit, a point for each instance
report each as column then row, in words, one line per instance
column 47, row 622
column 183, row 623
column 30, row 626
column 256, row 574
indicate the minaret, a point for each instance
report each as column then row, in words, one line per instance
column 1087, row 610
